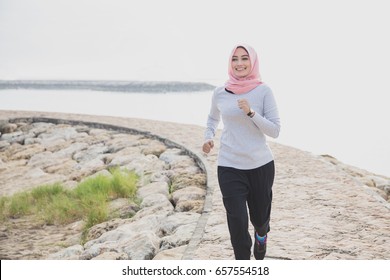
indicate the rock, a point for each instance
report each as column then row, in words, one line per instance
column 27, row 151
column 125, row 231
column 90, row 153
column 54, row 145
column 40, row 127
column 91, row 166
column 70, row 253
column 121, row 160
column 4, row 145
column 64, row 166
column 122, row 208
column 30, row 141
column 189, row 193
column 183, row 162
column 70, row 150
column 23, row 126
column 103, row 172
column 146, row 165
column 14, row 164
column 159, row 177
column 64, row 132
column 98, row 230
column 170, row 223
column 171, row 155
column 35, row 173
column 43, row 160
column 8, row 128
column 111, row 255
column 3, row 166
column 153, row 188
column 123, row 156
column 153, row 199
column 179, row 162
column 13, row 137
column 2, row 123
column 82, row 129
column 122, row 141
column 180, row 237
column 154, row 148
column 171, row 254
column 136, row 242
column 190, row 205
column 161, row 209
column 40, row 153
column 142, row 246
column 95, row 251
column 183, row 180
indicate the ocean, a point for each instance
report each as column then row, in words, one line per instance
column 363, row 143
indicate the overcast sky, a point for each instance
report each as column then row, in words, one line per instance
column 190, row 40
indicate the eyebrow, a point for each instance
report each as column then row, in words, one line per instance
column 241, row 56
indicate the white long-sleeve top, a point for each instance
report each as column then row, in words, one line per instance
column 243, row 140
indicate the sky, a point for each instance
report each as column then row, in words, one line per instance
column 187, row 40
column 326, row 61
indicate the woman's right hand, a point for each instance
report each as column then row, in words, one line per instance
column 207, row 146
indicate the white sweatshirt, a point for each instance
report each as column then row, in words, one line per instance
column 243, row 140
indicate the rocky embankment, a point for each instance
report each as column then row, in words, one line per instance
column 322, row 208
column 172, row 187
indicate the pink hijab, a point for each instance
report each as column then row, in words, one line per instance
column 245, row 84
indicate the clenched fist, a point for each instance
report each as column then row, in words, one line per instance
column 243, row 104
column 207, row 146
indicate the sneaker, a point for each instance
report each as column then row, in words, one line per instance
column 260, row 247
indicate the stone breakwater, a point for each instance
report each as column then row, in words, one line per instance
column 172, row 188
column 322, row 209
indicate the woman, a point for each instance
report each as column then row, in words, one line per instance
column 245, row 162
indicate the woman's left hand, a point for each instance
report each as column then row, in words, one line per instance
column 243, row 104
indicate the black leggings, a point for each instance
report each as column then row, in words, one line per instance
column 241, row 188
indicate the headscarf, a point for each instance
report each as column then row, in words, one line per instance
column 245, row 84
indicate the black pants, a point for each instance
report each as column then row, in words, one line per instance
column 242, row 190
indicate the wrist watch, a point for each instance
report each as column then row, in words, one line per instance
column 251, row 113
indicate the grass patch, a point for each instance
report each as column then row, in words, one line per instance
column 54, row 204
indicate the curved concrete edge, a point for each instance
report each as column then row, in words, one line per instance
column 202, row 221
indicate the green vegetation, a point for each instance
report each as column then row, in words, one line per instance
column 54, row 204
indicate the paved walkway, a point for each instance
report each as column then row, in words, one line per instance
column 319, row 210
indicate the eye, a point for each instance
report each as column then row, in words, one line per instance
column 245, row 58
column 234, row 59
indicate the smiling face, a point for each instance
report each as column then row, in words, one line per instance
column 241, row 63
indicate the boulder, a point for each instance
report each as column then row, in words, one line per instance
column 8, row 128
column 153, row 188
column 175, row 253
column 70, row 253
column 189, row 193
column 180, row 237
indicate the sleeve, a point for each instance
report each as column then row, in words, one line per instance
column 269, row 121
column 213, row 119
